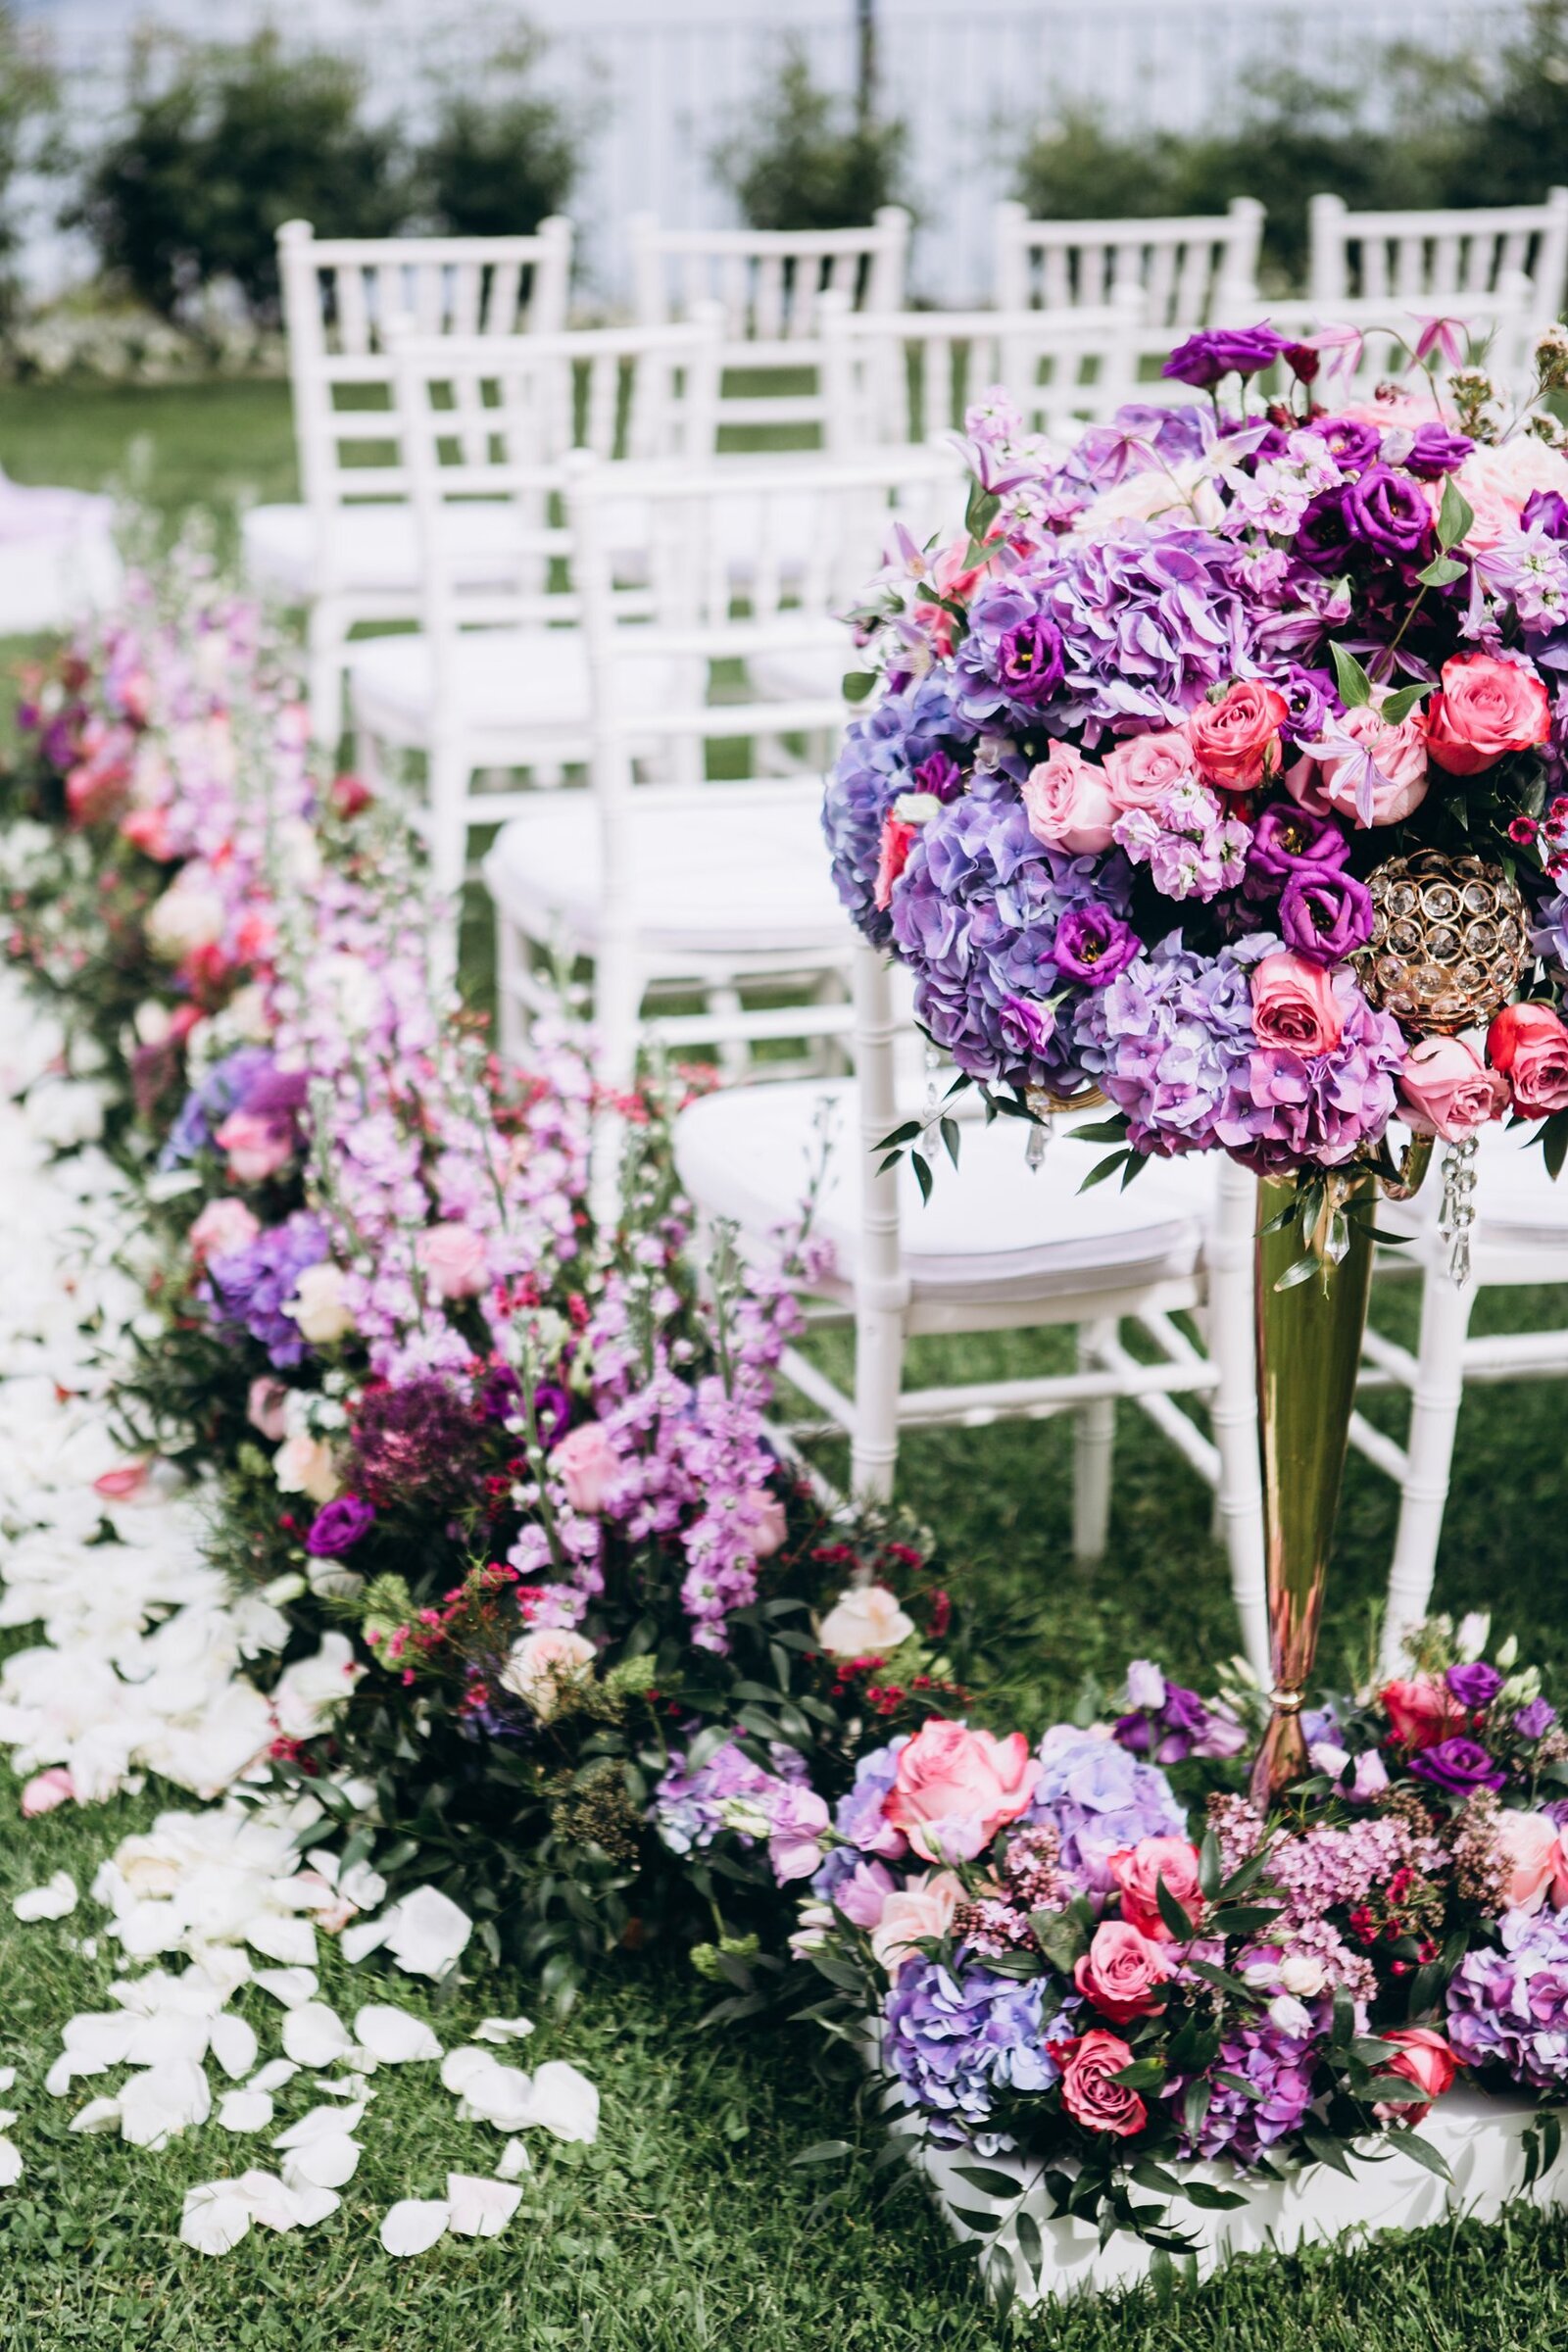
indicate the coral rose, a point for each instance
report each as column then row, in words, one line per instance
column 1137, row 1872
column 1421, row 1711
column 1068, row 804
column 1293, row 1005
column 1088, row 2092
column 893, row 856
column 543, row 1663
column 955, row 1787
column 453, row 1256
column 1484, row 710
column 1122, row 1972
column 866, row 1622
column 1235, row 740
column 1143, row 769
column 1528, row 1044
column 588, row 1466
column 222, row 1225
column 1424, row 2059
column 1447, row 1090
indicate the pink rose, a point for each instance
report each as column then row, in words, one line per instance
column 1484, row 710
column 257, row 1145
column 1424, row 2059
column 1141, row 770
column 923, row 1907
column 1528, row 1044
column 1122, row 1972
column 1400, row 754
column 893, row 856
column 1499, row 481
column 955, row 1787
column 1088, row 2092
column 1137, row 1872
column 1293, row 1005
column 454, row 1257
column 1447, row 1090
column 264, row 1407
column 1235, row 740
column 588, row 1466
column 222, row 1225
column 1422, row 1711
column 1531, row 1845
column 1068, row 804
column 147, row 829
column 769, row 1526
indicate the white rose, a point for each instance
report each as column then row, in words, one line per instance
column 304, row 1465
column 866, row 1622
column 316, row 1305
column 189, row 915
column 151, row 1022
column 541, row 1662
column 1302, row 1974
column 300, row 852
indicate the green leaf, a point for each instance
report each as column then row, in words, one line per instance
column 981, row 512
column 1104, row 1168
column 1328, row 2150
column 1410, row 2144
column 1175, row 1916
column 1029, row 2246
column 858, row 684
column 1440, row 572
column 1211, row 2200
column 1209, row 1865
column 1454, row 515
column 983, row 2221
column 922, row 1174
column 1300, row 1270
column 949, row 1130
column 989, row 2183
column 824, row 2151
column 1061, row 1937
column 907, row 1134
column 1195, row 2107
column 1242, row 1920
column 1143, row 2074
column 1398, row 707
column 1355, row 687
column 1555, row 1144
column 1101, row 1131
column 1150, row 2175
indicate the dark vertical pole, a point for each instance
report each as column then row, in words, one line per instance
column 865, row 81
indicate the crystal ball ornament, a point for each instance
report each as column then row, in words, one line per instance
column 1449, row 942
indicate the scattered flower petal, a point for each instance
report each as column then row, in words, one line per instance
column 414, row 2225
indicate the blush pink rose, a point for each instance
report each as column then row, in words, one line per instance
column 1447, row 1090
column 1141, row 770
column 1400, row 753
column 769, row 1526
column 1068, row 804
column 1089, row 2092
column 265, row 1407
column 257, row 1147
column 955, row 1787
column 453, row 1256
column 1528, row 1044
column 147, row 830
column 1530, row 1844
column 1122, row 1972
column 1484, row 709
column 1498, row 482
column 1293, row 1005
column 1137, row 1872
column 588, row 1466
column 222, row 1225
column 1424, row 2059
column 1235, row 740
column 1422, row 1711
column 922, row 1907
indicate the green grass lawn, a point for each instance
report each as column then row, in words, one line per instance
column 689, row 2228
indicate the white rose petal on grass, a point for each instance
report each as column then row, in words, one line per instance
column 460, row 2066
column 514, row 2161
column 99, row 2114
column 293, row 1986
column 101, row 2039
column 321, row 2122
column 8, row 2075
column 10, row 2164
column 315, row 2036
column 503, row 2028
column 359, row 1938
column 480, row 2208
column 282, row 1936
column 414, row 2225
column 565, row 2101
column 55, row 1900
column 234, row 2046
column 273, row 2075
column 427, row 1933
column 166, row 2035
column 394, row 2037
column 502, row 2095
column 216, row 2218
column 323, row 2163
column 158, row 2102
column 243, row 2111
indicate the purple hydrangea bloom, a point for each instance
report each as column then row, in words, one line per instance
column 1098, row 1798
column 227, row 1087
column 1458, row 1765
column 689, row 1807
column 1149, row 622
column 1277, row 2065
column 247, row 1289
column 858, row 1817
column 1509, row 2008
column 1165, row 1040
column 1476, row 1684
column 338, row 1525
column 952, row 2040
column 881, row 750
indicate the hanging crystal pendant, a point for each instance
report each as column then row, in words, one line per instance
column 933, row 1065
column 1457, row 1212
column 1034, row 1152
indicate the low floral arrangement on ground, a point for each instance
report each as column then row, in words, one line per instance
column 502, row 1482
column 1064, row 1957
column 1217, row 766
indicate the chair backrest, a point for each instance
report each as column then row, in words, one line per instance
column 1191, row 270
column 341, row 297
column 904, row 375
column 769, row 286
column 1433, row 257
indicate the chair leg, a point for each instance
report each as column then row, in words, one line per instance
column 449, row 853
column 1233, row 1409
column 512, row 1025
column 326, row 643
column 878, row 1378
column 1433, row 1418
column 1093, row 1442
column 617, row 1002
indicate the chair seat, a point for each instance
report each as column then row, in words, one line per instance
column 993, row 1228
column 1518, row 1206
column 525, row 686
column 725, row 870
column 374, row 549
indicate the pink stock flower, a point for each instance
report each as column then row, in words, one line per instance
column 588, row 1466
column 1293, row 1005
column 453, row 1258
column 1446, row 1088
column 1484, row 710
column 224, row 1224
column 1068, row 804
column 257, row 1145
column 955, row 1787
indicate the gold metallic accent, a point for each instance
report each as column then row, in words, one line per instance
column 1043, row 1102
column 1411, row 1173
column 1449, row 942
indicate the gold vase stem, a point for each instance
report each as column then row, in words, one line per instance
column 1308, row 1352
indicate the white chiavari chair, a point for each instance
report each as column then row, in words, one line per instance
column 1431, row 260
column 1189, row 270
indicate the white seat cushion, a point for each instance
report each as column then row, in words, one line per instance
column 1517, row 1204
column 993, row 1228
column 374, row 549
column 728, row 870
column 515, row 691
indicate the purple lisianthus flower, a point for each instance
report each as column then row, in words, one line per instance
column 1535, row 1721
column 1207, row 357
column 1093, row 945
column 1178, row 1726
column 796, row 1820
column 1437, row 451
column 338, row 1525
column 1010, row 656
column 940, row 775
column 953, row 2039
column 1351, row 444
column 1027, row 1026
column 1325, row 914
column 858, row 1816
column 1458, row 1765
column 1387, row 512
column 1310, row 699
column 1546, row 511
column 1474, row 1686
column 1286, row 839
column 1323, row 534
column 861, row 1891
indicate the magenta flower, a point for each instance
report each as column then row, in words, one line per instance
column 1325, row 914
column 1207, row 357
column 1458, row 1765
column 1092, row 945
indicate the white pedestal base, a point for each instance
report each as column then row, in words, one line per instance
column 1478, row 2138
